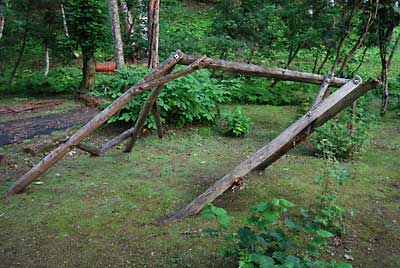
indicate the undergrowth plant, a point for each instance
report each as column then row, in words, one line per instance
column 345, row 135
column 192, row 98
column 328, row 213
column 236, row 123
column 269, row 238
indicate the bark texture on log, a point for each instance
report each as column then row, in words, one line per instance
column 116, row 33
column 92, row 125
column 255, row 70
column 154, row 9
column 289, row 138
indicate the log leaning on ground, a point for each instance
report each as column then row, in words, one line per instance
column 289, row 138
column 151, row 99
column 256, row 70
column 98, row 120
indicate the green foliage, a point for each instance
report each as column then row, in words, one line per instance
column 86, row 19
column 258, row 91
column 192, row 98
column 60, row 80
column 329, row 214
column 337, row 137
column 270, row 239
column 236, row 123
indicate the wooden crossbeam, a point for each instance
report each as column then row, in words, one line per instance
column 256, row 70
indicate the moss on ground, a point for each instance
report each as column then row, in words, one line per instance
column 103, row 212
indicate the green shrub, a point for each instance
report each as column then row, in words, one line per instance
column 335, row 135
column 61, row 80
column 259, row 91
column 192, row 98
column 269, row 238
column 236, row 123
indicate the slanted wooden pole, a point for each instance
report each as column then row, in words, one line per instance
column 323, row 91
column 255, row 70
column 150, row 103
column 157, row 118
column 289, row 138
column 97, row 121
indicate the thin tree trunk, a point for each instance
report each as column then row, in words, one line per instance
column 154, row 10
column 19, row 59
column 393, row 52
column 143, row 27
column 2, row 21
column 316, row 61
column 291, row 57
column 129, row 28
column 360, row 40
column 321, row 66
column 116, row 33
column 361, row 62
column 89, row 70
column 47, row 61
column 66, row 32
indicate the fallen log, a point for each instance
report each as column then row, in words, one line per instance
column 98, row 120
column 256, row 70
column 30, row 106
column 288, row 139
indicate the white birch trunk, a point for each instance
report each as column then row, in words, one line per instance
column 47, row 61
column 2, row 18
column 116, row 33
column 66, row 33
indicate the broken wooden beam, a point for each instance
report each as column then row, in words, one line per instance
column 256, row 70
column 97, row 121
column 285, row 141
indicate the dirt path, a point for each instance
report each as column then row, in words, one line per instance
column 18, row 130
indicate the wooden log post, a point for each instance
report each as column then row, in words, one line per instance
column 255, row 70
column 98, row 120
column 157, row 118
column 150, row 103
column 289, row 138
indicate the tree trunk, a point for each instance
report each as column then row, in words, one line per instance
column 143, row 27
column 2, row 21
column 19, row 59
column 129, row 29
column 66, row 32
column 88, row 71
column 47, row 61
column 154, row 10
column 361, row 62
column 321, row 66
column 393, row 52
column 316, row 59
column 116, row 34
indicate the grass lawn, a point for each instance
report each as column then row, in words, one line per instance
column 103, row 212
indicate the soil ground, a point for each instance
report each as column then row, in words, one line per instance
column 102, row 212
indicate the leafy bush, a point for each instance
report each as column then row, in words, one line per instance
column 60, row 80
column 236, row 123
column 192, row 98
column 259, row 91
column 336, row 137
column 270, row 239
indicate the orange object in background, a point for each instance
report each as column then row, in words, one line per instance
column 105, row 67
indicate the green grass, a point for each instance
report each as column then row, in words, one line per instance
column 99, row 212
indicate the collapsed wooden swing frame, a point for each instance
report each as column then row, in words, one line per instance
column 324, row 108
